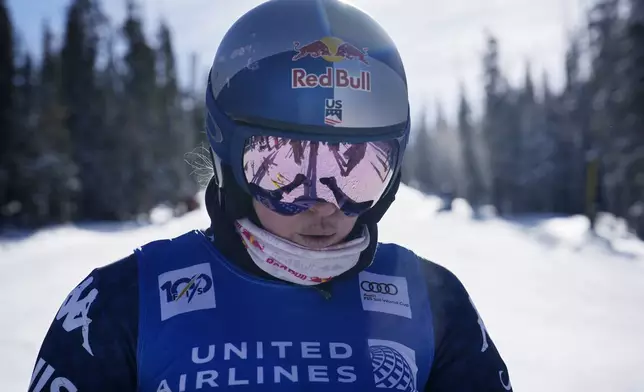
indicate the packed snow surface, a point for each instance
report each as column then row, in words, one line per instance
column 565, row 308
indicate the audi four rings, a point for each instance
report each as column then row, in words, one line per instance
column 381, row 288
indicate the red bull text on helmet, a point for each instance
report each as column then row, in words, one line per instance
column 331, row 49
column 300, row 78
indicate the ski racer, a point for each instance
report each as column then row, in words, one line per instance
column 288, row 289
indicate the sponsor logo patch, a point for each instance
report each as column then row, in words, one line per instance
column 394, row 365
column 333, row 112
column 278, row 365
column 385, row 294
column 335, row 51
column 338, row 78
column 75, row 311
column 186, row 290
column 332, row 49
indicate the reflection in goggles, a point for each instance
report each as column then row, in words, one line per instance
column 355, row 174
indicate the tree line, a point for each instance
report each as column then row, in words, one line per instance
column 578, row 150
column 99, row 126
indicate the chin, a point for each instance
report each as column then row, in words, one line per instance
column 317, row 243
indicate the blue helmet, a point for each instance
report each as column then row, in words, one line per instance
column 283, row 60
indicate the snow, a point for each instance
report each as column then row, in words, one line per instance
column 563, row 307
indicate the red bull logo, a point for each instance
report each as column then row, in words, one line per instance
column 252, row 239
column 296, row 274
column 319, row 280
column 332, row 78
column 331, row 49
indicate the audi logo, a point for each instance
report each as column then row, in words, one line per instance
column 381, row 288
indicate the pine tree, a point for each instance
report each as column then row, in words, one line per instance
column 58, row 182
column 175, row 183
column 25, row 152
column 444, row 156
column 142, row 121
column 536, row 150
column 572, row 113
column 605, row 142
column 635, row 120
column 497, row 128
column 423, row 172
column 529, row 93
column 522, row 146
column 7, row 132
column 551, row 125
column 116, row 144
column 572, row 65
column 474, row 187
column 197, row 101
column 78, row 59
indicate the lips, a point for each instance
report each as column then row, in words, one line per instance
column 316, row 241
column 318, row 235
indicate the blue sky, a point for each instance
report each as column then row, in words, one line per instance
column 451, row 32
column 28, row 15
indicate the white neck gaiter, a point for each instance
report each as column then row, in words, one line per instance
column 288, row 261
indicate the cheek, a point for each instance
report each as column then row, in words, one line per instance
column 346, row 225
column 283, row 226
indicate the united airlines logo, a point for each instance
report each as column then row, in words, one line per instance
column 186, row 290
column 394, row 365
column 385, row 294
column 281, row 364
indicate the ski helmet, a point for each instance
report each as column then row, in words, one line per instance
column 297, row 73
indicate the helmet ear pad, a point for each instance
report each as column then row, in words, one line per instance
column 230, row 199
column 224, row 194
column 375, row 213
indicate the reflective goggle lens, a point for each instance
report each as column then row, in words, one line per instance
column 289, row 176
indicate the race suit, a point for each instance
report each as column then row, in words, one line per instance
column 178, row 316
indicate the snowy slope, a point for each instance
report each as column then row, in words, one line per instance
column 564, row 310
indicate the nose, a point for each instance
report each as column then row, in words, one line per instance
column 324, row 209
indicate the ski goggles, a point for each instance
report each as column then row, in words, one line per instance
column 289, row 175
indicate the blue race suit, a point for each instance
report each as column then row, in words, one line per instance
column 178, row 316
